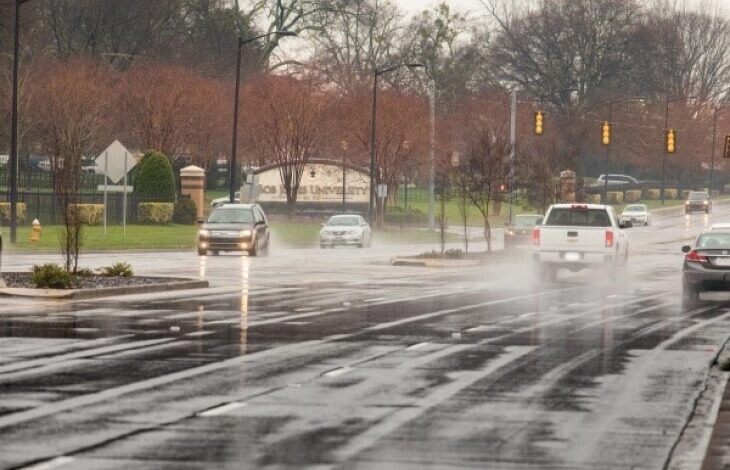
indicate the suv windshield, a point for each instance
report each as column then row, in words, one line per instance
column 635, row 209
column 345, row 220
column 231, row 216
column 579, row 217
column 527, row 220
column 698, row 196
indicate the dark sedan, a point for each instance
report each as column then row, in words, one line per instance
column 235, row 227
column 706, row 266
column 519, row 232
column 698, row 201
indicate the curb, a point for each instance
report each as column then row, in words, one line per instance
column 62, row 294
column 435, row 263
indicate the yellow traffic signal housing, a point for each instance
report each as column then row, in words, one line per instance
column 671, row 141
column 606, row 133
column 539, row 118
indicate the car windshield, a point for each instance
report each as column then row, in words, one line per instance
column 579, row 217
column 344, row 220
column 714, row 240
column 697, row 196
column 231, row 216
column 527, row 220
column 635, row 209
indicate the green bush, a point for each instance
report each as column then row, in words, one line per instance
column 156, row 213
column 185, row 212
column 89, row 214
column 51, row 276
column 117, row 270
column 670, row 193
column 5, row 212
column 653, row 194
column 398, row 215
column 154, row 179
column 633, row 195
column 615, row 197
column 594, row 198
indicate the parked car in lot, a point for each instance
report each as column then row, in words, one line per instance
column 226, row 200
column 345, row 230
column 620, row 183
column 519, row 232
column 235, row 227
column 698, row 201
column 706, row 266
column 579, row 236
column 636, row 214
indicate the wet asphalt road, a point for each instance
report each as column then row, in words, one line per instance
column 335, row 359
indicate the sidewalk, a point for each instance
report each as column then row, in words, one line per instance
column 718, row 451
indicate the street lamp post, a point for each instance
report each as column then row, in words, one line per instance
column 14, row 130
column 232, row 163
column 373, row 120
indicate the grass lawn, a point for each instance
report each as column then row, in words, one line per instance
column 137, row 237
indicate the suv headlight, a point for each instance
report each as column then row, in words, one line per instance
column 244, row 233
column 203, row 233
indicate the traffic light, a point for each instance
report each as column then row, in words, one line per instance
column 727, row 146
column 671, row 141
column 539, row 117
column 606, row 133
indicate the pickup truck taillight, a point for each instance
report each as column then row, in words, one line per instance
column 536, row 236
column 695, row 257
column 609, row 238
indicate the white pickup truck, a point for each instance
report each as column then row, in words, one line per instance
column 579, row 236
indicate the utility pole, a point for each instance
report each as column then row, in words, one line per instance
column 14, row 130
column 513, row 145
column 432, row 159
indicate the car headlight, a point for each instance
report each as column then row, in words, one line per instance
column 686, row 203
column 204, row 233
column 244, row 233
column 705, row 202
column 510, row 232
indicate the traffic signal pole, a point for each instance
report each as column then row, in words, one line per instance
column 664, row 154
column 513, row 144
column 608, row 155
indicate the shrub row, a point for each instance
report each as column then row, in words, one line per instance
column 155, row 212
column 88, row 214
column 5, row 212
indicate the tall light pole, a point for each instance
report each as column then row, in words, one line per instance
column 232, row 163
column 432, row 157
column 14, row 130
column 373, row 120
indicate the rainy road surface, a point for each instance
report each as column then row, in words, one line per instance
column 332, row 358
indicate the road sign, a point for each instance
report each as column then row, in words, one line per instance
column 727, row 146
column 382, row 191
column 115, row 161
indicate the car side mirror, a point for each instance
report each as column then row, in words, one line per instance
column 626, row 224
column 201, row 221
column 686, row 249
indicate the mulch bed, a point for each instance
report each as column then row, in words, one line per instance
column 23, row 280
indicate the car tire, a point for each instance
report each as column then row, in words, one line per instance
column 690, row 296
column 255, row 250
column 265, row 251
column 202, row 252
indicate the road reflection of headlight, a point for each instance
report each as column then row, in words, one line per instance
column 203, row 266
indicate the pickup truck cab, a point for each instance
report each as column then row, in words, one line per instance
column 579, row 236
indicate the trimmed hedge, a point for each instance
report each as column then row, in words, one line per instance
column 615, row 197
column 155, row 180
column 155, row 213
column 633, row 195
column 186, row 212
column 5, row 212
column 89, row 214
column 653, row 194
column 398, row 215
column 594, row 198
column 670, row 193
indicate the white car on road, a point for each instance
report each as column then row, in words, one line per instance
column 579, row 236
column 636, row 214
column 345, row 230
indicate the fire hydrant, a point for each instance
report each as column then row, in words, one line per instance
column 35, row 231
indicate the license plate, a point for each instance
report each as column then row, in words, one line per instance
column 722, row 261
column 339, row 239
column 572, row 256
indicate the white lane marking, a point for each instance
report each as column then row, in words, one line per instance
column 376, row 299
column 53, row 463
column 337, row 372
column 223, row 409
column 463, row 380
column 199, row 333
column 417, row 346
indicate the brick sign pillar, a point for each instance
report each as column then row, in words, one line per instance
column 192, row 182
column 567, row 186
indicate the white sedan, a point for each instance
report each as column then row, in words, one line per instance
column 636, row 214
column 345, row 230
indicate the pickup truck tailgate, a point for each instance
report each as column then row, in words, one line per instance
column 571, row 238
